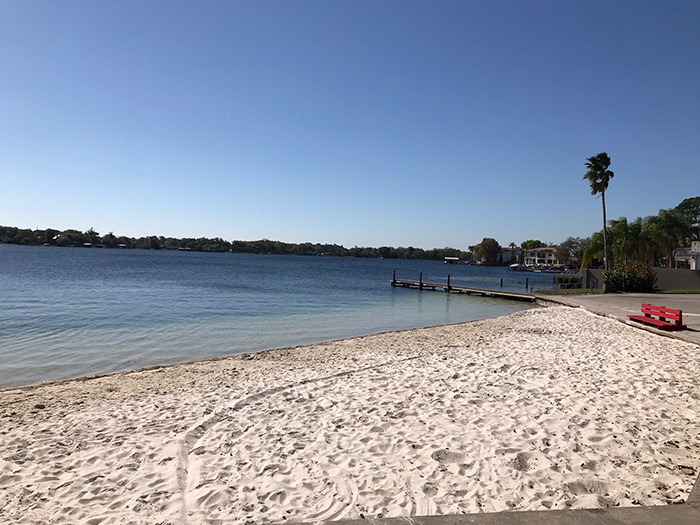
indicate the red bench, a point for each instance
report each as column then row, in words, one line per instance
column 663, row 318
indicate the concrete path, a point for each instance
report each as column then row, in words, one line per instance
column 672, row 515
column 622, row 305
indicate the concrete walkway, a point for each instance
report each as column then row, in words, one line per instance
column 610, row 305
column 687, row 514
column 620, row 306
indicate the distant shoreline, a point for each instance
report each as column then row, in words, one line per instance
column 11, row 235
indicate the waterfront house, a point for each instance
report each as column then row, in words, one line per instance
column 545, row 256
column 509, row 255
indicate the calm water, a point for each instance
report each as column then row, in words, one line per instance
column 68, row 312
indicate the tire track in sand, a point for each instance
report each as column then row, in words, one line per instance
column 200, row 428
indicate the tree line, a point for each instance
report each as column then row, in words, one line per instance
column 91, row 238
column 652, row 240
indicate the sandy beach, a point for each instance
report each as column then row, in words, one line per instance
column 548, row 408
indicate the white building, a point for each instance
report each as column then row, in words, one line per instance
column 689, row 256
column 541, row 257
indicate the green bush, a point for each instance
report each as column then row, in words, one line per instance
column 631, row 277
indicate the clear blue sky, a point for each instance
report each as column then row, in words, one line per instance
column 400, row 123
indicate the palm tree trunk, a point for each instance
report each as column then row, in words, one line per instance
column 606, row 255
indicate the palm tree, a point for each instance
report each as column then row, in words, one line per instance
column 671, row 231
column 620, row 239
column 598, row 176
column 651, row 238
column 512, row 247
column 638, row 242
column 593, row 250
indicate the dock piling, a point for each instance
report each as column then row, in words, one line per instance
column 448, row 283
column 393, row 279
column 420, row 281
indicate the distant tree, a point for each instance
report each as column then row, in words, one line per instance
column 670, row 230
column 487, row 251
column 593, row 250
column 109, row 240
column 418, row 253
column 153, row 243
column 513, row 254
column 25, row 237
column 598, row 177
column 531, row 244
column 92, row 236
column 171, row 243
column 582, row 248
column 71, row 238
column 126, row 241
column 385, row 252
column 50, row 236
column 568, row 249
column 690, row 209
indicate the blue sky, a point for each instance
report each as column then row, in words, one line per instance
column 396, row 123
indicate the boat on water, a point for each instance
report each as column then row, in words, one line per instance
column 538, row 269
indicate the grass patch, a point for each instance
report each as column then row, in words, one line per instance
column 681, row 290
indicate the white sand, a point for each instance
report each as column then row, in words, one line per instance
column 547, row 408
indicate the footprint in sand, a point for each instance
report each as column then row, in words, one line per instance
column 447, row 456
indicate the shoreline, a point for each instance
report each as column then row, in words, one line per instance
column 243, row 355
column 544, row 408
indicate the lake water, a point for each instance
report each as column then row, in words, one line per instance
column 69, row 312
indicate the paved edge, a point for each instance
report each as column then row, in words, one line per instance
column 671, row 514
column 548, row 301
column 694, row 498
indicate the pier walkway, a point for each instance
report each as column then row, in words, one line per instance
column 454, row 288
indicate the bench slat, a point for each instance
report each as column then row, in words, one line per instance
column 661, row 311
column 668, row 318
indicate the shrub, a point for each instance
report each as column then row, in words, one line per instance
column 631, row 277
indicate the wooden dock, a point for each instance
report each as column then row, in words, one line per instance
column 452, row 288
